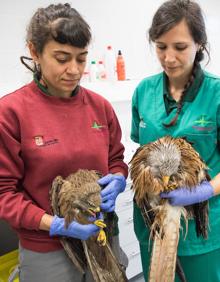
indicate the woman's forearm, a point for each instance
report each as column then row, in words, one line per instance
column 45, row 222
column 215, row 182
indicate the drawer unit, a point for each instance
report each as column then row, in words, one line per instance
column 126, row 228
column 128, row 240
column 134, row 266
column 124, row 200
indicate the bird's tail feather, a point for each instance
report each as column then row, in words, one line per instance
column 110, row 271
column 73, row 248
column 164, row 252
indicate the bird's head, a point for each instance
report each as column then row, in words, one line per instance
column 87, row 204
column 164, row 161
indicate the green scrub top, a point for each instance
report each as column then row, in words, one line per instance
column 199, row 122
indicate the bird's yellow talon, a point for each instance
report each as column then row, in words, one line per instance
column 101, row 238
column 171, row 187
column 100, row 223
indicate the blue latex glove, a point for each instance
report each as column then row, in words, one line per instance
column 99, row 215
column 185, row 197
column 114, row 184
column 75, row 230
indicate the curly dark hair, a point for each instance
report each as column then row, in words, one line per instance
column 59, row 22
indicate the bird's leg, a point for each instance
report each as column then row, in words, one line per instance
column 102, row 236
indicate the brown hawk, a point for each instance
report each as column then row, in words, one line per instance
column 162, row 166
column 78, row 198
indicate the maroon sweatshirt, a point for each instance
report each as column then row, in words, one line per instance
column 43, row 136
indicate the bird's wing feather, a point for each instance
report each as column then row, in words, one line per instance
column 56, row 185
column 106, row 268
column 190, row 172
column 194, row 171
column 73, row 247
column 70, row 196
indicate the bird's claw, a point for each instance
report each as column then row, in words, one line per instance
column 171, row 186
column 102, row 238
column 100, row 223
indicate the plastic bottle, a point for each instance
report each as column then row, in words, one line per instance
column 101, row 71
column 110, row 64
column 120, row 66
column 93, row 72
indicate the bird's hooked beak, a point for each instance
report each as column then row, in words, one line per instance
column 94, row 211
column 165, row 179
column 84, row 207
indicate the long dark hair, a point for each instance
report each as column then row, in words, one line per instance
column 59, row 22
column 169, row 14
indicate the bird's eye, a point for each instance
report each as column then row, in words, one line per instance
column 91, row 204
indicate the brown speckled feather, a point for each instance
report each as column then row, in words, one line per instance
column 73, row 247
column 72, row 198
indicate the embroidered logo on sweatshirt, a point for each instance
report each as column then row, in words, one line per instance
column 203, row 123
column 97, row 126
column 142, row 123
column 39, row 141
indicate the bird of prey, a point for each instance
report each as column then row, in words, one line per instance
column 77, row 197
column 162, row 166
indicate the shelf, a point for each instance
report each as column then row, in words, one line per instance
column 117, row 91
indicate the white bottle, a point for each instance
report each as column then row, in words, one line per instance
column 93, row 72
column 110, row 64
column 101, row 71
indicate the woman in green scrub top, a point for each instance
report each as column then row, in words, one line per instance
column 183, row 100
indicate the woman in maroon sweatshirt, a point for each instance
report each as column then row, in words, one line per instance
column 49, row 127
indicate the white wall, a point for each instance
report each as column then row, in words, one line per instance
column 120, row 23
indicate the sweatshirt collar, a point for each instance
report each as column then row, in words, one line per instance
column 45, row 90
column 78, row 97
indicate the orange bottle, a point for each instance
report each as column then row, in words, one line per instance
column 120, row 65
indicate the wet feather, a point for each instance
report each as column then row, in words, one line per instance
column 77, row 197
column 162, row 166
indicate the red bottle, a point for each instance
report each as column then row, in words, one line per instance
column 120, row 65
